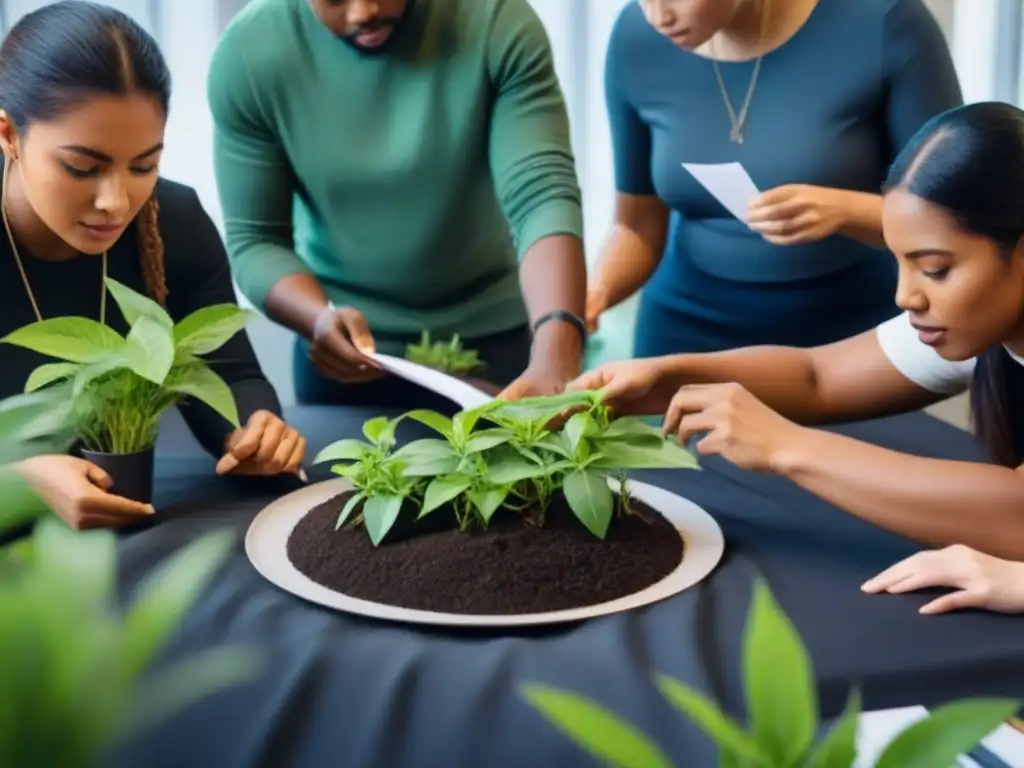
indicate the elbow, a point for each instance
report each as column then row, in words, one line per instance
column 540, row 205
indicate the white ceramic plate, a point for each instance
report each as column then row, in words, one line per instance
column 267, row 540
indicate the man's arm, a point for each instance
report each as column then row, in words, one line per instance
column 203, row 279
column 256, row 186
column 535, row 177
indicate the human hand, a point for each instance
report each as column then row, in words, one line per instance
column 538, row 381
column 340, row 345
column 980, row 580
column 264, row 446
column 740, row 428
column 78, row 492
column 631, row 387
column 597, row 304
column 797, row 213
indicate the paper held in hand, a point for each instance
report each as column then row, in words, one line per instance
column 458, row 391
column 729, row 183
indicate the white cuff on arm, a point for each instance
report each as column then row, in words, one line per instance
column 920, row 363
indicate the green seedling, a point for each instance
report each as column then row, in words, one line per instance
column 447, row 356
column 502, row 455
column 120, row 386
column 783, row 711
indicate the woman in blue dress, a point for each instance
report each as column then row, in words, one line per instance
column 814, row 98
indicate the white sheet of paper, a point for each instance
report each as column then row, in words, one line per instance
column 462, row 394
column 730, row 184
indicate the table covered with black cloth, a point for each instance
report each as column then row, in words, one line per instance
column 341, row 690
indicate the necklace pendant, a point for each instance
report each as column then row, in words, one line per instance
column 736, row 136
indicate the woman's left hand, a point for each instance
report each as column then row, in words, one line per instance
column 797, row 213
column 740, row 428
column 264, row 446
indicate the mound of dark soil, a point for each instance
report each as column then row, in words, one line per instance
column 512, row 567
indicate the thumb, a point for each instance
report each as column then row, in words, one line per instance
column 953, row 601
column 357, row 329
column 228, row 463
column 98, row 477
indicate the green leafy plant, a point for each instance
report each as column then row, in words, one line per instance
column 502, row 455
column 76, row 680
column 447, row 356
column 78, row 667
column 120, row 386
column 783, row 706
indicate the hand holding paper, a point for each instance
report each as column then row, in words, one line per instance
column 729, row 183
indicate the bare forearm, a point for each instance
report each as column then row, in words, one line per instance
column 554, row 277
column 934, row 502
column 626, row 265
column 296, row 302
column 863, row 213
column 783, row 378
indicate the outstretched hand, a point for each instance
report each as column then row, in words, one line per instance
column 738, row 426
column 978, row 580
column 79, row 492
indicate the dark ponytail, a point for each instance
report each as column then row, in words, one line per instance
column 970, row 162
column 65, row 53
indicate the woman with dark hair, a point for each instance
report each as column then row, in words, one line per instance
column 84, row 95
column 814, row 98
column 953, row 216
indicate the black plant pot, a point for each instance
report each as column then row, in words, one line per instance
column 132, row 473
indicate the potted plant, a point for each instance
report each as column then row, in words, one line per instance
column 553, row 465
column 121, row 385
column 783, row 711
column 79, row 673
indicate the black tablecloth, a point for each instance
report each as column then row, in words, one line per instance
column 339, row 690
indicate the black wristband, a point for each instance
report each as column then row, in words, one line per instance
column 575, row 321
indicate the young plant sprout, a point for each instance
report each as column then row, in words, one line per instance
column 502, row 455
column 120, row 386
column 448, row 357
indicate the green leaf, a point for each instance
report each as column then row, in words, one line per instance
column 73, row 339
column 82, row 561
column 723, row 730
column 436, row 421
column 205, row 385
column 507, row 472
column 782, row 697
column 149, row 350
column 429, row 447
column 380, row 514
column 590, row 499
column 839, row 747
column 631, row 429
column 49, row 373
column 431, row 466
column 168, row 594
column 348, row 449
column 134, row 305
column 380, row 431
column 209, row 328
column 487, row 439
column 666, row 455
column 603, row 735
column 185, row 683
column 36, row 420
column 948, row 732
column 442, row 490
column 488, row 501
column 577, row 427
column 350, row 505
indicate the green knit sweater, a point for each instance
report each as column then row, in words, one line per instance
column 411, row 182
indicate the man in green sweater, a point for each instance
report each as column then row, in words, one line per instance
column 392, row 166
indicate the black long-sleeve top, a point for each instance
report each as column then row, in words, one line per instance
column 198, row 275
